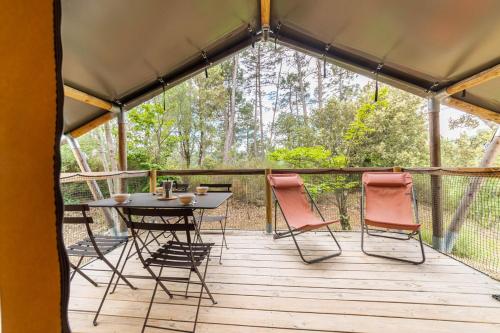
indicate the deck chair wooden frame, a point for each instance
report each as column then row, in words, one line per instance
column 275, row 180
column 390, row 228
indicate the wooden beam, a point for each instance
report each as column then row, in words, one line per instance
column 265, row 13
column 87, row 99
column 92, row 124
column 486, row 75
column 472, row 109
column 265, row 17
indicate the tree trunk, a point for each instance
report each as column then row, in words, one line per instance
column 104, row 159
column 228, row 142
column 92, row 184
column 474, row 186
column 302, row 92
column 320, row 84
column 110, row 144
column 261, row 120
column 256, row 102
column 201, row 147
column 276, row 99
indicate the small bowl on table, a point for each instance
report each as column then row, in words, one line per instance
column 121, row 197
column 186, row 198
column 201, row 190
column 159, row 191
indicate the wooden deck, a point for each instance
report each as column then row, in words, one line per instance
column 263, row 286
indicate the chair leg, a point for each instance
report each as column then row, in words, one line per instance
column 202, row 280
column 315, row 260
column 421, row 261
column 293, row 233
column 104, row 297
column 187, row 284
column 127, row 257
column 201, row 294
column 74, row 271
column 115, row 270
column 222, row 242
column 151, row 302
column 85, row 276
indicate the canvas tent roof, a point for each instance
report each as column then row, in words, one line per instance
column 117, row 50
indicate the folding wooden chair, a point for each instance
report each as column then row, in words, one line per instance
column 94, row 246
column 386, row 208
column 297, row 207
column 221, row 219
column 175, row 254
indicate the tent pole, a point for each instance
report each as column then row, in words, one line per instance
column 81, row 160
column 436, row 182
column 122, row 147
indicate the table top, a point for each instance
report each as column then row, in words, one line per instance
column 210, row 200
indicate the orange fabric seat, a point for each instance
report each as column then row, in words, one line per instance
column 292, row 199
column 389, row 201
column 290, row 193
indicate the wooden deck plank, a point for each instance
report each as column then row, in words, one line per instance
column 264, row 287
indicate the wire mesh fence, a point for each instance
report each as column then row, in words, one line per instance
column 469, row 205
column 82, row 188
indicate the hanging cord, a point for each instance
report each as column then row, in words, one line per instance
column 327, row 48
column 379, row 68
column 205, row 57
column 278, row 27
column 252, row 35
column 432, row 87
column 163, row 88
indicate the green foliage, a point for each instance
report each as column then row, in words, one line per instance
column 303, row 157
column 151, row 138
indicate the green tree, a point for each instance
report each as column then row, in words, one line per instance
column 151, row 138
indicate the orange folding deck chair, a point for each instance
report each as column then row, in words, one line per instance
column 386, row 207
column 291, row 196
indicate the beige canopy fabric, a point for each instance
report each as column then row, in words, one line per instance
column 124, row 51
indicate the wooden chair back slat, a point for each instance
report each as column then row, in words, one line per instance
column 218, row 187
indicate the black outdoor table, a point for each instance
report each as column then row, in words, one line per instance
column 210, row 200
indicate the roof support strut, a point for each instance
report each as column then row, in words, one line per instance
column 474, row 80
column 96, row 122
column 89, row 99
column 472, row 109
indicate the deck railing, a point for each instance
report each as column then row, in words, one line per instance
column 459, row 208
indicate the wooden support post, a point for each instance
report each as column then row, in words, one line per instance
column 81, row 160
column 436, row 183
column 152, row 181
column 474, row 186
column 269, row 204
column 122, row 148
column 265, row 18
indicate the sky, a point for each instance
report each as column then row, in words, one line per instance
column 446, row 113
